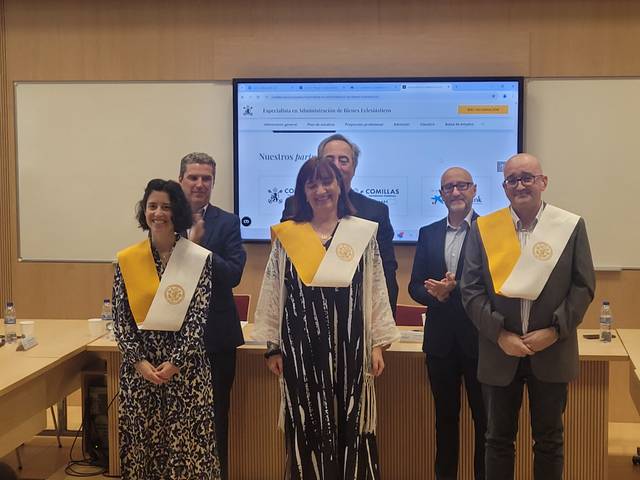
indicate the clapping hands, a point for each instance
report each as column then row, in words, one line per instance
column 441, row 289
column 197, row 229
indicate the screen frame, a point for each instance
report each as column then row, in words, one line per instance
column 242, row 80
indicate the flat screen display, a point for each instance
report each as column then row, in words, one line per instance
column 408, row 130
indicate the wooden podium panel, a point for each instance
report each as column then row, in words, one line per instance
column 406, row 417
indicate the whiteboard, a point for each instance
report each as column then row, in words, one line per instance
column 85, row 152
column 585, row 132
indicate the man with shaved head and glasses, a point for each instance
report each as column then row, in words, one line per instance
column 450, row 339
column 526, row 284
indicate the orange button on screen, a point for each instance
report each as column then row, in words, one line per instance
column 483, row 109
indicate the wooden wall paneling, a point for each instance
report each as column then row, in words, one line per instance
column 587, row 38
column 405, row 410
column 589, row 400
column 61, row 290
column 468, row 52
column 295, row 20
column 110, row 40
column 256, row 446
column 7, row 183
column 418, row 16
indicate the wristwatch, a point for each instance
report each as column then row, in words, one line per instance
column 272, row 349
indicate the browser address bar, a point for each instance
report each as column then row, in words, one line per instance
column 427, row 86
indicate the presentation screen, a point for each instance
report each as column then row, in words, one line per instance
column 408, row 130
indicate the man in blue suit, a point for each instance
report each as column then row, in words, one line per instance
column 344, row 154
column 219, row 232
column 450, row 339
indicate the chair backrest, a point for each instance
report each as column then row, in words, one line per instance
column 243, row 301
column 410, row 315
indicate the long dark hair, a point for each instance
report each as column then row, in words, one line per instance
column 318, row 169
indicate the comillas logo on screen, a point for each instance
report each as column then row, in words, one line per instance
column 247, row 111
column 278, row 194
column 284, row 157
column 382, row 194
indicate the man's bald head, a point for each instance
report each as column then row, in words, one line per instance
column 457, row 172
column 522, row 161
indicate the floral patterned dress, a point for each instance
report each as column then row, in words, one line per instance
column 166, row 431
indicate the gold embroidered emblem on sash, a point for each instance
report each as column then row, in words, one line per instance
column 344, row 251
column 174, row 294
column 542, row 251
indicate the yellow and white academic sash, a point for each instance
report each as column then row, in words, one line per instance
column 333, row 267
column 523, row 273
column 161, row 304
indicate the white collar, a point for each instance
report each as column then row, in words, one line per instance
column 467, row 219
column 518, row 223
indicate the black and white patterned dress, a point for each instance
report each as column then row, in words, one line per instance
column 326, row 336
column 166, row 431
column 322, row 349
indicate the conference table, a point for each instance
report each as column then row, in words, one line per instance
column 406, row 415
column 33, row 380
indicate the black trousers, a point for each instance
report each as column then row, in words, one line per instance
column 223, row 372
column 547, row 402
column 445, row 377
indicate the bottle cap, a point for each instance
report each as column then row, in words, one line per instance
column 9, row 304
column 605, row 302
column 107, row 300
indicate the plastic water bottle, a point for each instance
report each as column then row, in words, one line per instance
column 107, row 316
column 10, row 323
column 606, row 319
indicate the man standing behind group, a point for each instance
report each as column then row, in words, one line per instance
column 344, row 154
column 219, row 232
column 450, row 339
column 528, row 279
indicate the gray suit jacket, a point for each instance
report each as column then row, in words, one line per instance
column 562, row 302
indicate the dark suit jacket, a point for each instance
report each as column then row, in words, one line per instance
column 447, row 323
column 222, row 238
column 378, row 212
column 562, row 302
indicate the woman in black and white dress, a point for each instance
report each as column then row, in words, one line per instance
column 326, row 342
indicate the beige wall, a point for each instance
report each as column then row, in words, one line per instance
column 195, row 40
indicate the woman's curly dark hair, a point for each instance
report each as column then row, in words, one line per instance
column 180, row 208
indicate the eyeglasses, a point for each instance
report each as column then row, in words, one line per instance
column 526, row 180
column 461, row 186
